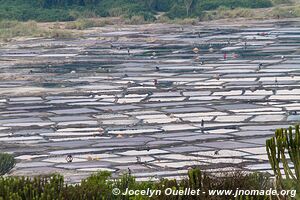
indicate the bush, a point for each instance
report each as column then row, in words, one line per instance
column 177, row 11
column 25, row 12
column 214, row 4
column 116, row 12
column 163, row 19
column 281, row 1
column 100, row 185
column 7, row 162
column 47, row 10
column 163, row 5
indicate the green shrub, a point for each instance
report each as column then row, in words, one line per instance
column 284, row 157
column 281, row 1
column 116, row 12
column 214, row 4
column 7, row 162
column 163, row 19
column 100, row 185
column 163, row 5
column 177, row 11
column 46, row 10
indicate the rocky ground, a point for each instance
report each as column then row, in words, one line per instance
column 151, row 99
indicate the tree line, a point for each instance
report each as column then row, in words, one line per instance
column 65, row 10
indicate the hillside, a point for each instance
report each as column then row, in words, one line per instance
column 67, row 10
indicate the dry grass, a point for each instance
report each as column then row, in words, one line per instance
column 135, row 20
column 82, row 24
column 223, row 13
column 277, row 12
column 192, row 21
column 285, row 12
column 10, row 29
column 14, row 29
column 186, row 21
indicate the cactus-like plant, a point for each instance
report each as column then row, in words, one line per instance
column 7, row 162
column 284, row 148
column 195, row 178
